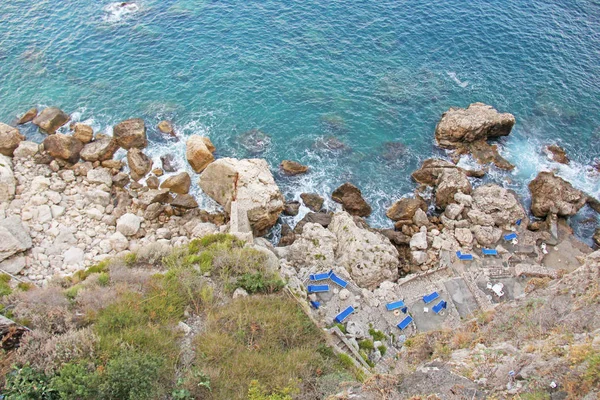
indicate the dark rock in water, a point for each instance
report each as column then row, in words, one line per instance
column 332, row 144
column 287, row 236
column 321, row 218
column 28, row 116
column 596, row 237
column 484, row 153
column 169, row 163
column 9, row 139
column 557, row 154
column 184, row 201
column 255, row 141
column 139, row 163
column 593, row 203
column 293, row 167
column 405, row 209
column 313, row 201
column 50, row 119
column 350, row 197
column 102, row 149
column 131, row 133
column 63, row 147
column 333, row 123
column 291, row 208
column 467, row 125
column 394, row 150
column 551, row 194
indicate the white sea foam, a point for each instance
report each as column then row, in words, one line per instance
column 117, row 11
column 454, row 77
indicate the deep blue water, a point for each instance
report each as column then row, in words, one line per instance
column 367, row 73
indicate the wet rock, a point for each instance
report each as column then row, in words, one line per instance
column 350, row 197
column 255, row 141
column 291, row 208
column 128, row 224
column 179, row 183
column 186, row 201
column 139, row 163
column 13, row 237
column 287, row 236
column 169, row 164
column 197, row 153
column 102, row 149
column 485, row 153
column 551, row 194
column 251, row 184
column 331, row 143
column 321, row 218
column 450, row 182
column 82, row 132
column 431, row 170
column 405, row 209
column 293, row 167
column 50, row 119
column 28, row 116
column 557, row 154
column 393, row 151
column 63, row 147
column 131, row 133
column 166, row 127
column 7, row 179
column 477, row 122
column 313, row 201
column 9, row 139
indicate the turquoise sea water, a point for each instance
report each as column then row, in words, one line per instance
column 375, row 75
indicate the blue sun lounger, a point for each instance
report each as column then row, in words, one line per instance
column 430, row 297
column 464, row 257
column 319, row 277
column 489, row 252
column 318, row 288
column 439, row 306
column 315, row 304
column 510, row 236
column 343, row 315
column 405, row 322
column 337, row 280
column 518, row 223
column 394, row 305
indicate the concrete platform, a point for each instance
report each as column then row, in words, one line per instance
column 461, row 297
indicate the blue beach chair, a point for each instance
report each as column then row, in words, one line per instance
column 439, row 306
column 319, row 277
column 430, row 297
column 343, row 315
column 394, row 305
column 337, row 280
column 405, row 322
column 489, row 252
column 464, row 257
column 315, row 304
column 518, row 223
column 510, row 236
column 318, row 288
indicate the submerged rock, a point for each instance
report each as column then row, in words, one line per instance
column 63, row 147
column 9, row 139
column 251, row 184
column 551, row 194
column 169, row 163
column 255, row 141
column 293, row 167
column 50, row 119
column 197, row 153
column 331, row 143
column 28, row 116
column 131, row 133
column 350, row 197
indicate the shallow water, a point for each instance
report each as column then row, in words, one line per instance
column 366, row 73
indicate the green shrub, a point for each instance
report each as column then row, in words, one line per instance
column 256, row 391
column 258, row 282
column 25, row 286
column 366, row 345
column 382, row 349
column 76, row 381
column 341, row 327
column 27, row 384
column 132, row 375
column 5, row 288
column 377, row 335
column 130, row 259
column 103, row 279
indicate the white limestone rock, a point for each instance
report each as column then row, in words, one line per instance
column 128, row 224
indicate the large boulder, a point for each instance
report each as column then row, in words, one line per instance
column 293, row 167
column 351, row 199
column 467, row 125
column 28, row 116
column 13, row 237
column 551, row 194
column 131, row 133
column 369, row 257
column 315, row 246
column 82, row 132
column 7, row 179
column 64, row 147
column 9, row 139
column 405, row 209
column 499, row 204
column 430, row 171
column 139, row 163
column 198, row 154
column 101, row 149
column 50, row 119
column 251, row 184
column 450, row 182
column 128, row 224
column 313, row 201
column 179, row 183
